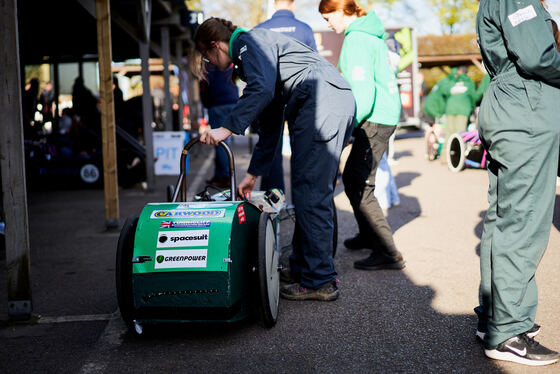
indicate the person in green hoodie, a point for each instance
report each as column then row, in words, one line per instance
column 458, row 105
column 364, row 64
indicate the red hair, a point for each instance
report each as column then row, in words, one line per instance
column 348, row 7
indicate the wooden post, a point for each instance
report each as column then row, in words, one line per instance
column 103, row 16
column 166, row 86
column 147, row 114
column 13, row 167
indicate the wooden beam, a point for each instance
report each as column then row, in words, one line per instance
column 12, row 167
column 452, row 60
column 103, row 12
column 133, row 32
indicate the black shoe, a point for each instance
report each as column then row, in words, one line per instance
column 523, row 350
column 357, row 242
column 532, row 332
column 380, row 261
column 295, row 291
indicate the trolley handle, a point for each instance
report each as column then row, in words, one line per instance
column 181, row 187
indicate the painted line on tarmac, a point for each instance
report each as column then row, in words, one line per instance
column 197, row 183
column 108, row 342
column 78, row 318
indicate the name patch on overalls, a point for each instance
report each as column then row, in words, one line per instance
column 522, row 15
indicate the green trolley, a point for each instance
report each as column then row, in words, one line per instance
column 211, row 260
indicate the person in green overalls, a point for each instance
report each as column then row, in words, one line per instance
column 519, row 128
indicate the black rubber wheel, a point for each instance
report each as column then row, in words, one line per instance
column 269, row 276
column 456, row 153
column 432, row 146
column 123, row 272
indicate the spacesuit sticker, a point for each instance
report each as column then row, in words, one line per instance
column 522, row 15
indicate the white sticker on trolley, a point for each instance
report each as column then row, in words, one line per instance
column 193, row 213
column 190, row 258
column 183, row 238
column 201, row 205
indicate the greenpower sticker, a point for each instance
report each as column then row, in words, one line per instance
column 192, row 213
column 192, row 258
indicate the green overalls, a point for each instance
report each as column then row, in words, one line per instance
column 520, row 129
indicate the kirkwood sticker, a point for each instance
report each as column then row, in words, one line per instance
column 191, row 258
column 193, row 213
column 183, row 238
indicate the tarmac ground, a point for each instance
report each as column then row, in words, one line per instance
column 418, row 320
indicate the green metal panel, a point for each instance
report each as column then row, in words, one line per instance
column 225, row 289
column 184, row 236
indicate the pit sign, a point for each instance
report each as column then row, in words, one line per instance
column 167, row 152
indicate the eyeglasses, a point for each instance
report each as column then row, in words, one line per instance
column 204, row 59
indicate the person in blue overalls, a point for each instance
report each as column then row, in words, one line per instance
column 284, row 21
column 320, row 110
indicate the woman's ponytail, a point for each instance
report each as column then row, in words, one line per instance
column 360, row 12
column 348, row 7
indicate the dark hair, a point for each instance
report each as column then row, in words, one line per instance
column 211, row 30
column 348, row 7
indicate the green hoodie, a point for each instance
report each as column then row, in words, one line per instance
column 364, row 64
column 461, row 98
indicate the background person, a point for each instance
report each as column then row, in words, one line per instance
column 319, row 107
column 219, row 95
column 284, row 21
column 364, row 64
column 518, row 125
column 459, row 104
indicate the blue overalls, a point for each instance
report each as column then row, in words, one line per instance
column 287, row 80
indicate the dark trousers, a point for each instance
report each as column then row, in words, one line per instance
column 370, row 142
column 320, row 117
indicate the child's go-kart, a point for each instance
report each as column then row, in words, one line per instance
column 465, row 149
column 211, row 260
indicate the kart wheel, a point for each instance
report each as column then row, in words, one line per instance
column 269, row 276
column 432, row 146
column 456, row 153
column 123, row 272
